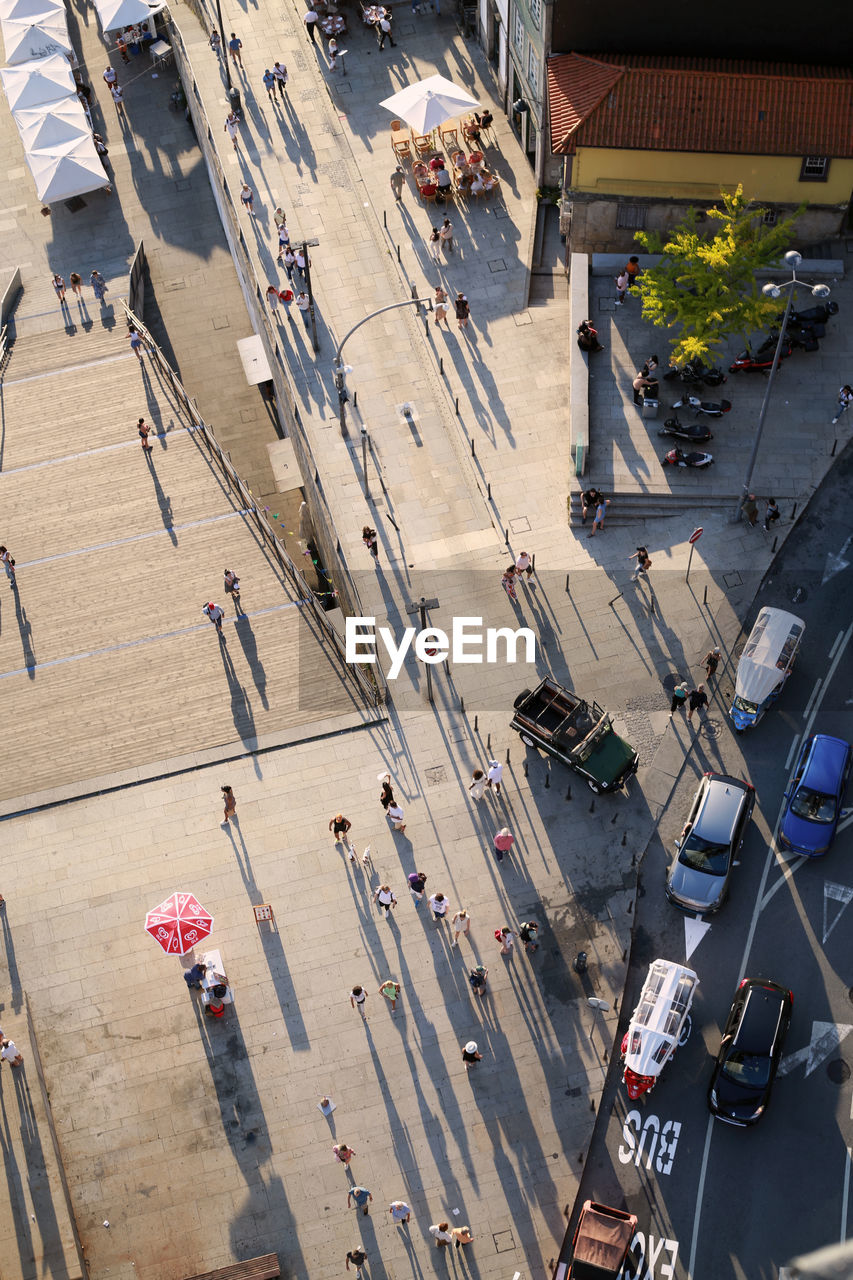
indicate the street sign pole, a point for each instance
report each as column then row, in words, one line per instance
column 694, row 538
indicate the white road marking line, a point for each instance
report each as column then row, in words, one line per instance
column 836, row 643
column 835, row 893
column 845, row 822
column 699, row 1194
column 844, row 1196
column 794, row 748
column 91, row 453
column 810, row 703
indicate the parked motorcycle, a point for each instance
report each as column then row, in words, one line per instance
column 675, row 458
column 760, row 361
column 694, row 431
column 815, row 315
column 711, row 408
column 694, row 373
column 807, row 337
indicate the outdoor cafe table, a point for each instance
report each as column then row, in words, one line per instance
column 333, row 26
column 373, row 13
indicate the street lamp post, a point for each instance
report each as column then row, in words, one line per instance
column 340, row 370
column 773, row 290
column 313, row 243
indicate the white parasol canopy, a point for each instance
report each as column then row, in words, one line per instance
column 429, row 103
column 38, row 83
column 56, row 129
column 124, row 13
column 25, row 39
column 61, row 175
column 31, row 9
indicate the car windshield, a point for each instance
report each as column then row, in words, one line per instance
column 814, row 806
column 747, row 1069
column 741, row 704
column 704, row 855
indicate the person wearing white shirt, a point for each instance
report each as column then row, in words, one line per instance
column 496, row 773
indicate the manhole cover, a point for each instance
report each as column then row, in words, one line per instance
column 732, row 580
column 799, row 596
column 504, row 1241
column 75, row 204
column 838, row 1071
column 711, row 728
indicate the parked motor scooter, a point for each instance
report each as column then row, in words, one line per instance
column 760, row 361
column 675, row 458
column 693, row 373
column 806, row 337
column 710, row 408
column 814, row 315
column 694, row 431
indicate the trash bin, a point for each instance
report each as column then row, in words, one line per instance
column 234, row 100
column 650, row 407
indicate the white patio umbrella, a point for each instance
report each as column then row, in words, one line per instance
column 32, row 9
column 124, row 13
column 429, row 103
column 61, row 176
column 25, row 39
column 38, row 83
column 56, row 129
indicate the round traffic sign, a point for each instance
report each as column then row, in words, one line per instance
column 696, row 535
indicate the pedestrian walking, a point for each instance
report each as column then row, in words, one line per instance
column 590, row 499
column 357, row 1257
column 230, row 804
column 621, row 286
column 399, row 1211
column 845, row 399
column 343, row 1153
column 398, row 181
column 357, row 997
column 303, row 264
column 461, row 923
column 524, row 565
column 395, row 814
column 417, row 880
column 232, row 121
column 310, row 18
column 286, row 296
column 440, row 1231
column 268, row 80
column 478, row 977
column 434, row 244
column 110, row 77
column 332, row 50
column 632, row 270
column 59, row 286
column 598, row 519
column 232, row 588
column 360, row 1198
column 446, row 235
column 215, row 42
column 505, row 939
column 641, row 555
column 9, row 565
column 461, row 1236
column 771, row 515
column 390, row 989
column 215, row 613
column 503, row 842
column 144, row 432
column 10, row 1053
column 194, row 975
column 136, row 344
column 439, row 905
column 698, row 701
column 749, row 507
column 370, row 540
column 121, row 45
column 384, row 897
column 281, row 77
column 118, row 98
column 272, row 297
column 679, row 697
column 508, row 583
column 339, row 827
column 495, row 776
column 286, row 255
column 528, row 932
column 463, row 311
column 383, row 29
column 247, row 196
column 386, row 795
column 76, row 282
column 441, row 307
column 711, row 661
column 304, row 305
column 478, row 784
column 235, row 46
column 470, row 1055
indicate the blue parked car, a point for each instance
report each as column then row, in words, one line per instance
column 815, row 795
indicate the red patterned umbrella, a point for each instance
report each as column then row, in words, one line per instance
column 178, row 923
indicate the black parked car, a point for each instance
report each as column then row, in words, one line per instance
column 750, row 1051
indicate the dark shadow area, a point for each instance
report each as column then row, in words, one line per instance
column 16, row 993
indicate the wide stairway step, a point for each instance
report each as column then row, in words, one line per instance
column 32, row 354
column 628, row 508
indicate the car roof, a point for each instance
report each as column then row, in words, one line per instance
column 760, row 1018
column 720, row 807
column 828, row 757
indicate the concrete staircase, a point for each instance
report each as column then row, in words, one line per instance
column 628, row 508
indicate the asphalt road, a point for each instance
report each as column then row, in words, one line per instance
column 715, row 1201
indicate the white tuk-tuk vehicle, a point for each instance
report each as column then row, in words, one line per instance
column 659, row 1024
column 765, row 664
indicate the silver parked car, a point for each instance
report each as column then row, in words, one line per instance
column 698, row 879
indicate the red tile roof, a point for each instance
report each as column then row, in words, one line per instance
column 699, row 104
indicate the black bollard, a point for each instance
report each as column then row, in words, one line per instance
column 489, row 743
column 624, row 838
column 568, row 793
column 475, row 723
column 462, row 705
column 507, row 755
column 592, row 807
column 525, row 768
column 547, row 780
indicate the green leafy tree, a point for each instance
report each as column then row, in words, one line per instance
column 705, row 286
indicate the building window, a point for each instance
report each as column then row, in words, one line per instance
column 632, row 217
column 535, row 7
column 814, row 169
column 533, row 68
column 770, row 216
column 518, row 33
